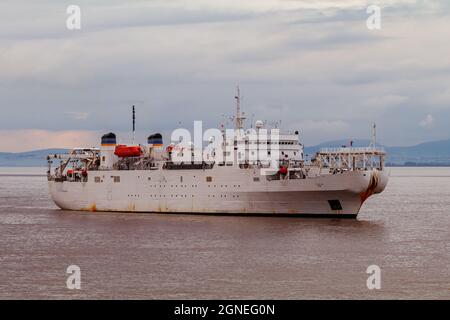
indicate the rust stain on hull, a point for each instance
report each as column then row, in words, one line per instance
column 370, row 189
column 131, row 207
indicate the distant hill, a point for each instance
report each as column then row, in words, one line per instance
column 435, row 153
column 334, row 144
column 428, row 153
column 37, row 158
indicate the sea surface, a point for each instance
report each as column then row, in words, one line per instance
column 405, row 231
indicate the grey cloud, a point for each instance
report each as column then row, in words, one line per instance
column 98, row 17
column 177, row 65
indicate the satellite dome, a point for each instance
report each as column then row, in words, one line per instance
column 259, row 124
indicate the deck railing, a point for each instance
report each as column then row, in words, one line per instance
column 352, row 150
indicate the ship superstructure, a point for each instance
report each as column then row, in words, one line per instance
column 237, row 171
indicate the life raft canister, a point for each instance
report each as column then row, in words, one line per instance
column 123, row 151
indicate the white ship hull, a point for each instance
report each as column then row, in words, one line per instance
column 231, row 191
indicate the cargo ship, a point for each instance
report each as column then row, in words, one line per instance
column 227, row 176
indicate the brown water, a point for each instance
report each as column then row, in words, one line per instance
column 405, row 231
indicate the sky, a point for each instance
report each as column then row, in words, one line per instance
column 311, row 65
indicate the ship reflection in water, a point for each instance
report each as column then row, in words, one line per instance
column 154, row 256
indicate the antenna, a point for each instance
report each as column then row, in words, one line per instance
column 373, row 142
column 134, row 122
column 224, row 122
column 238, row 117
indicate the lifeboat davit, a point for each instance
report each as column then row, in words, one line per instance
column 123, row 151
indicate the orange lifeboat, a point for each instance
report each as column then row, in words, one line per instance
column 123, row 151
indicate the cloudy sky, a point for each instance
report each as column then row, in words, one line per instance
column 312, row 64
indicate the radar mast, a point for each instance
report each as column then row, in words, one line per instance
column 239, row 118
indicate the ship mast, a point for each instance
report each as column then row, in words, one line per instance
column 239, row 119
column 134, row 123
column 373, row 142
